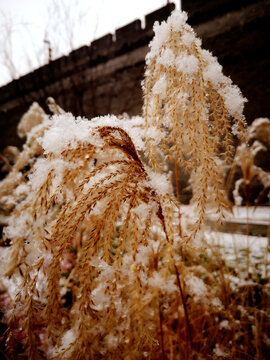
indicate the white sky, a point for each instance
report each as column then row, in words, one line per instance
column 24, row 24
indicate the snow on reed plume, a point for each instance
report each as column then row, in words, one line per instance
column 190, row 109
column 98, row 265
column 90, row 194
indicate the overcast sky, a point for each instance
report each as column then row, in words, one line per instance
column 25, row 24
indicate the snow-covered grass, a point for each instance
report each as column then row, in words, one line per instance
column 104, row 262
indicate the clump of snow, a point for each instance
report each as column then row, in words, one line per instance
column 166, row 58
column 157, row 281
column 135, row 129
column 142, row 211
column 143, row 255
column 219, row 352
column 100, row 297
column 196, row 287
column 187, row 64
column 217, row 304
column 13, row 285
column 18, row 226
column 160, row 183
column 68, row 338
column 235, row 130
column 231, row 94
column 233, row 100
column 160, row 87
column 66, row 132
column 213, row 73
column 111, row 341
column 106, row 271
column 177, row 20
column 162, row 32
column 188, row 38
column 154, row 134
column 43, row 167
column 22, row 189
column 225, row 325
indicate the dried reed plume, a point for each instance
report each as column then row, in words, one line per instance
column 190, row 108
column 31, row 150
column 98, row 266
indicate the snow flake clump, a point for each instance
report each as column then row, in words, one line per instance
column 167, row 58
column 196, row 287
column 233, row 100
column 65, row 133
column 111, row 341
column 157, row 281
column 225, row 325
column 160, row 183
column 160, row 87
column 213, row 73
column 188, row 38
column 162, row 32
column 187, row 64
column 219, row 352
column 100, row 298
column 41, row 170
column 175, row 23
column 177, row 20
column 144, row 254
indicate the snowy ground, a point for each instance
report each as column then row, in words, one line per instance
column 242, row 252
column 242, row 214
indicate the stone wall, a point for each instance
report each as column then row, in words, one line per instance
column 105, row 77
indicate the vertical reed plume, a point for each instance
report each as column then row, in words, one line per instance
column 190, row 108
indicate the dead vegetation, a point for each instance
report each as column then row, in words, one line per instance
column 101, row 264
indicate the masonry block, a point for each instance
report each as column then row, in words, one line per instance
column 100, row 46
column 200, row 11
column 158, row 15
column 78, row 54
column 8, row 91
column 129, row 31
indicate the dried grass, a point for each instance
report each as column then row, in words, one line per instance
column 99, row 257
